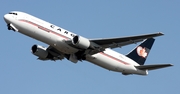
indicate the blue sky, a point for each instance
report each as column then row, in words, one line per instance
column 21, row 73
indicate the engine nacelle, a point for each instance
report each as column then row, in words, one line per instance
column 40, row 51
column 81, row 42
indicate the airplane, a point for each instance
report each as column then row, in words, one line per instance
column 65, row 44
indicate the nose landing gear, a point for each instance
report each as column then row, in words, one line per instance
column 11, row 27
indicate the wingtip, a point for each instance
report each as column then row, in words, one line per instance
column 160, row 33
column 169, row 65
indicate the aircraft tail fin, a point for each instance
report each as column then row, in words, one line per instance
column 140, row 53
column 153, row 67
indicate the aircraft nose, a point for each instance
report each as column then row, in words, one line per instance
column 6, row 18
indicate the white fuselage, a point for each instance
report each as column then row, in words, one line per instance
column 56, row 37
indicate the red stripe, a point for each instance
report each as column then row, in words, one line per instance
column 44, row 28
column 114, row 58
column 29, row 22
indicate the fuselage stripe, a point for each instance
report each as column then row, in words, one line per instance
column 43, row 28
column 114, row 58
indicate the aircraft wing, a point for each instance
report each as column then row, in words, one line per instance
column 122, row 41
column 115, row 42
column 153, row 67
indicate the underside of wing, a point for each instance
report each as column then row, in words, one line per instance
column 55, row 54
column 122, row 41
column 153, row 67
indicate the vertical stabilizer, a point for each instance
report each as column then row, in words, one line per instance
column 141, row 52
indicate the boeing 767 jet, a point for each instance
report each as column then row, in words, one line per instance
column 65, row 44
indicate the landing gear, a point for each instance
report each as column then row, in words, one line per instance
column 76, row 56
column 11, row 27
column 80, row 55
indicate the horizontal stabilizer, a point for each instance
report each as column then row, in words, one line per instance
column 153, row 67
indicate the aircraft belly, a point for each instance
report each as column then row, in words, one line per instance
column 63, row 47
column 106, row 63
column 113, row 65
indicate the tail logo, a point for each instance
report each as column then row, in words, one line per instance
column 142, row 52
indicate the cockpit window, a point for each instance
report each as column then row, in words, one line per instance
column 13, row 13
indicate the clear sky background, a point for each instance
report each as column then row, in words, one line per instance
column 21, row 73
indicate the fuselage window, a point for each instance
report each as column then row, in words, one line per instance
column 72, row 35
column 52, row 26
column 59, row 29
column 66, row 32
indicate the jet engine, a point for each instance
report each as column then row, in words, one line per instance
column 41, row 52
column 81, row 42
